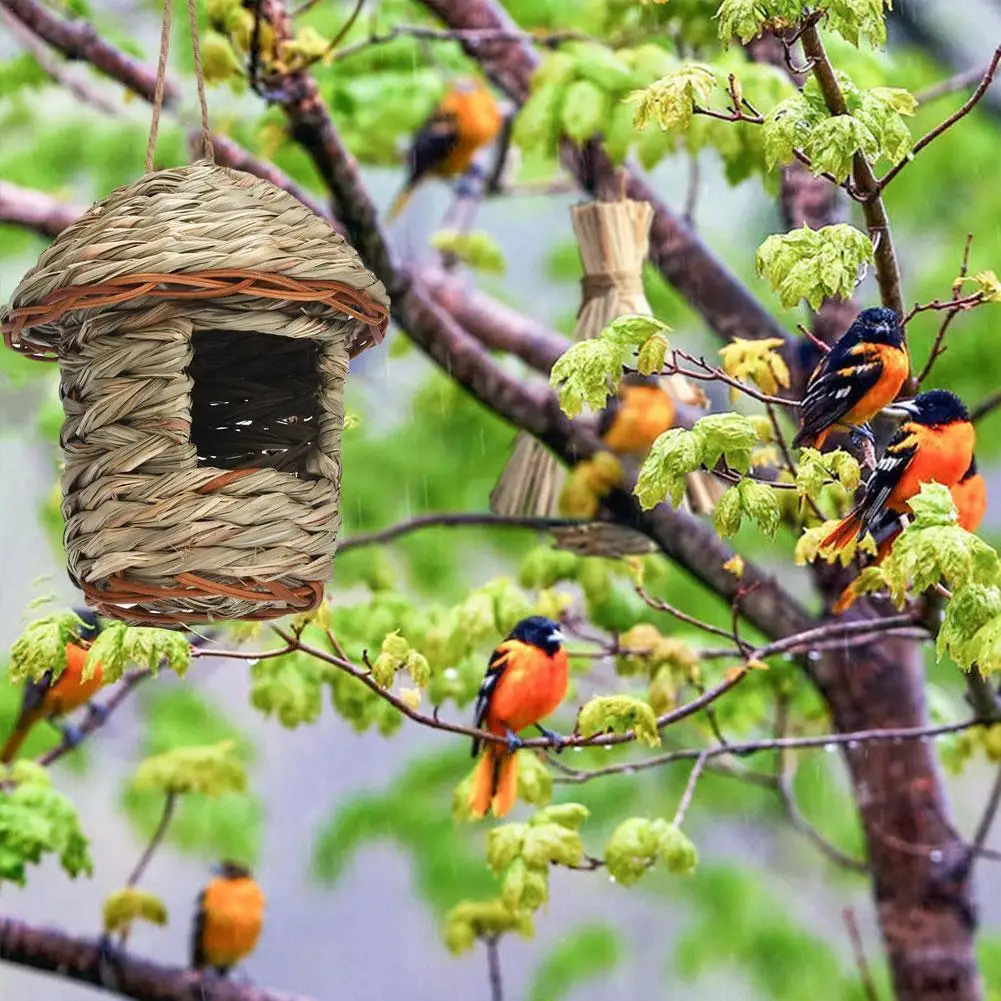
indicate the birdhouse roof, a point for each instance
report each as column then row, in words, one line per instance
column 195, row 232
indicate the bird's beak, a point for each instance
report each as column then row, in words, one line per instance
column 556, row 636
column 902, row 410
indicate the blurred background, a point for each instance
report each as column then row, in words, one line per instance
column 351, row 833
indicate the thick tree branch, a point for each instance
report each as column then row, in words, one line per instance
column 80, row 959
column 708, row 286
column 36, row 210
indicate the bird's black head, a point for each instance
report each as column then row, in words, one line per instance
column 636, row 379
column 936, row 407
column 879, row 325
column 539, row 631
column 91, row 625
column 228, row 869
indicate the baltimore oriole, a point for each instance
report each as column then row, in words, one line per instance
column 636, row 416
column 525, row 682
column 45, row 699
column 228, row 919
column 856, row 379
column 934, row 446
column 466, row 120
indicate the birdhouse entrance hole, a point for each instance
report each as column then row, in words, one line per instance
column 254, row 400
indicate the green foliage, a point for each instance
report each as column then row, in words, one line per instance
column 42, row 647
column 589, row 371
column 477, row 250
column 207, row 771
column 288, row 687
column 818, row 469
column 638, row 843
column 226, row 825
column 118, row 646
column 855, row 20
column 478, row 919
column 619, row 714
column 37, row 820
column 758, row 362
column 678, row 452
column 756, row 500
column 813, row 264
column 582, row 954
column 397, row 655
column 124, row 907
column 671, row 101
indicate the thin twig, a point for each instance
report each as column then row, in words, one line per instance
column 950, row 85
column 686, row 796
column 494, row 968
column 937, row 347
column 985, row 407
column 962, row 112
column 158, row 835
column 858, row 949
column 983, row 830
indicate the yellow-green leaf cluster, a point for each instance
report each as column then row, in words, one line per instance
column 397, row 655
column 814, row 264
column 756, row 500
column 619, row 714
column 289, row 687
column 119, row 646
column 758, row 362
column 988, row 285
column 671, row 101
column 209, row 771
column 123, row 907
column 477, row 250
column 471, row 920
column 638, row 843
column 36, row 820
column 42, row 647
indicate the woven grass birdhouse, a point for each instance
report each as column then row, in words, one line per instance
column 203, row 321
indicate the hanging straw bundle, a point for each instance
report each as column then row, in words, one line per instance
column 614, row 239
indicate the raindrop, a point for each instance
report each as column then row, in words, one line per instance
column 936, row 855
column 578, row 749
column 608, row 747
column 450, row 674
column 830, row 748
column 813, row 655
column 612, row 879
column 853, row 744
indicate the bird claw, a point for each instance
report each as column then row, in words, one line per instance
column 554, row 738
column 864, row 440
column 514, row 742
column 110, row 958
column 98, row 712
column 72, row 735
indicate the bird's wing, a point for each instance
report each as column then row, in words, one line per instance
column 840, row 381
column 437, row 137
column 198, row 934
column 498, row 661
column 892, row 465
column 607, row 416
column 34, row 694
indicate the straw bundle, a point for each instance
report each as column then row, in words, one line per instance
column 614, row 239
column 203, row 320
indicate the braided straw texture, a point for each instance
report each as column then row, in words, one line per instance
column 203, row 321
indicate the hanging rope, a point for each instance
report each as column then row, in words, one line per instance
column 161, row 80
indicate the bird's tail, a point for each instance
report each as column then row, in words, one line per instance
column 399, row 203
column 530, row 483
column 495, row 783
column 846, row 531
column 17, row 737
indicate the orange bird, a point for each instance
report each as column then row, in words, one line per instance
column 466, row 120
column 636, row 416
column 856, row 379
column 525, row 682
column 228, row 919
column 934, row 446
column 50, row 699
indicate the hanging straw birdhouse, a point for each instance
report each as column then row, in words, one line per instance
column 203, row 320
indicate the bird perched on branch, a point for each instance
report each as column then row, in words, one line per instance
column 52, row 698
column 935, row 445
column 525, row 681
column 636, row 416
column 858, row 377
column 467, row 119
column 228, row 919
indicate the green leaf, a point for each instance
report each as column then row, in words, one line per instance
column 758, row 362
column 760, row 503
column 672, row 99
column 580, row 956
column 568, row 815
column 504, row 845
column 587, row 372
column 619, row 714
column 728, row 436
column 525, row 887
column 728, row 514
column 123, row 907
column 289, row 687
column 37, row 820
column 637, row 843
column 585, row 108
column 858, row 20
column 743, row 18
column 535, row 781
column 633, row 330
column 601, row 66
column 119, row 646
column 478, row 250
column 475, row 919
column 552, row 844
column 988, row 285
column 651, row 355
column 42, row 647
column 209, row 771
column 814, row 264
column 674, row 455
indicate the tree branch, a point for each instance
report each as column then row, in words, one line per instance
column 36, row 210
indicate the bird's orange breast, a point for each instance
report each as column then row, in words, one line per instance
column 943, row 456
column 70, row 691
column 478, row 120
column 896, row 368
column 645, row 413
column 530, row 688
column 233, row 916
column 970, row 498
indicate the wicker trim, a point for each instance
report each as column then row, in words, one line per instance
column 338, row 296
